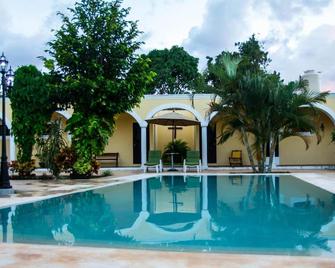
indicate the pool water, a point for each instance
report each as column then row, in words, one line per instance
column 249, row 214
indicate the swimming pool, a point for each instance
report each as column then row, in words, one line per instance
column 238, row 213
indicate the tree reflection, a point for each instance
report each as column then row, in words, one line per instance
column 267, row 223
column 4, row 222
column 83, row 217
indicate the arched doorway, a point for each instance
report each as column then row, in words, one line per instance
column 161, row 136
column 127, row 139
column 293, row 151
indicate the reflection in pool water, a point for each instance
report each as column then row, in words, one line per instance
column 264, row 214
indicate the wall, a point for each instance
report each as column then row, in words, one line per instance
column 223, row 151
column 122, row 140
column 292, row 150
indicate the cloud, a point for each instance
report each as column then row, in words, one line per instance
column 22, row 50
column 225, row 23
column 287, row 10
column 25, row 46
column 280, row 24
column 314, row 51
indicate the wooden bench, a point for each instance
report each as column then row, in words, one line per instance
column 108, row 158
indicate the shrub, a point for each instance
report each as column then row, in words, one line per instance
column 24, row 169
column 176, row 146
column 67, row 161
column 49, row 148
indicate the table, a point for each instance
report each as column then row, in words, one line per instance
column 172, row 162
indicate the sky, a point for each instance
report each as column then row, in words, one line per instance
column 299, row 34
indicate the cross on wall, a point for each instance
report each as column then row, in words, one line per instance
column 174, row 131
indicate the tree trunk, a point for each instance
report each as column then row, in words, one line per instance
column 262, row 160
column 273, row 144
column 247, row 198
column 249, row 151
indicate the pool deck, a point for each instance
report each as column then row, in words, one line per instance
column 20, row 255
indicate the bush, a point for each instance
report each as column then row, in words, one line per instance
column 49, row 148
column 24, row 169
column 176, row 146
column 67, row 161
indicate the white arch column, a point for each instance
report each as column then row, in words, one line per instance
column 204, row 147
column 143, row 145
column 144, row 195
column 204, row 192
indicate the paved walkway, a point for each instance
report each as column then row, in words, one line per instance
column 32, row 256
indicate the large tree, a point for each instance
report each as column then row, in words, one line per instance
column 32, row 106
column 176, row 71
column 93, row 59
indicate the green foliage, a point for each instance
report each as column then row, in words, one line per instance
column 250, row 58
column 31, row 108
column 94, row 67
column 254, row 58
column 176, row 71
column 50, row 147
column 177, row 146
column 252, row 101
column 90, row 135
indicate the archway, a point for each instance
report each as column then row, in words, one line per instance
column 293, row 151
column 127, row 139
column 192, row 135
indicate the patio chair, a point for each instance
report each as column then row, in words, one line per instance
column 154, row 160
column 235, row 158
column 192, row 160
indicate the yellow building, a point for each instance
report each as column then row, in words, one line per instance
column 134, row 137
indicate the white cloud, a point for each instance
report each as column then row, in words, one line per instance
column 225, row 23
column 314, row 51
column 299, row 34
column 167, row 22
column 294, row 32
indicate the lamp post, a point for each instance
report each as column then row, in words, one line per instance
column 7, row 80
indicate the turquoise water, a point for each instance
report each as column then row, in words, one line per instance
column 253, row 214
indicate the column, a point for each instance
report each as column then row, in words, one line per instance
column 204, row 193
column 204, row 146
column 144, row 195
column 143, row 145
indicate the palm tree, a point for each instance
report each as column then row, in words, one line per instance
column 289, row 115
column 229, row 101
column 262, row 106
